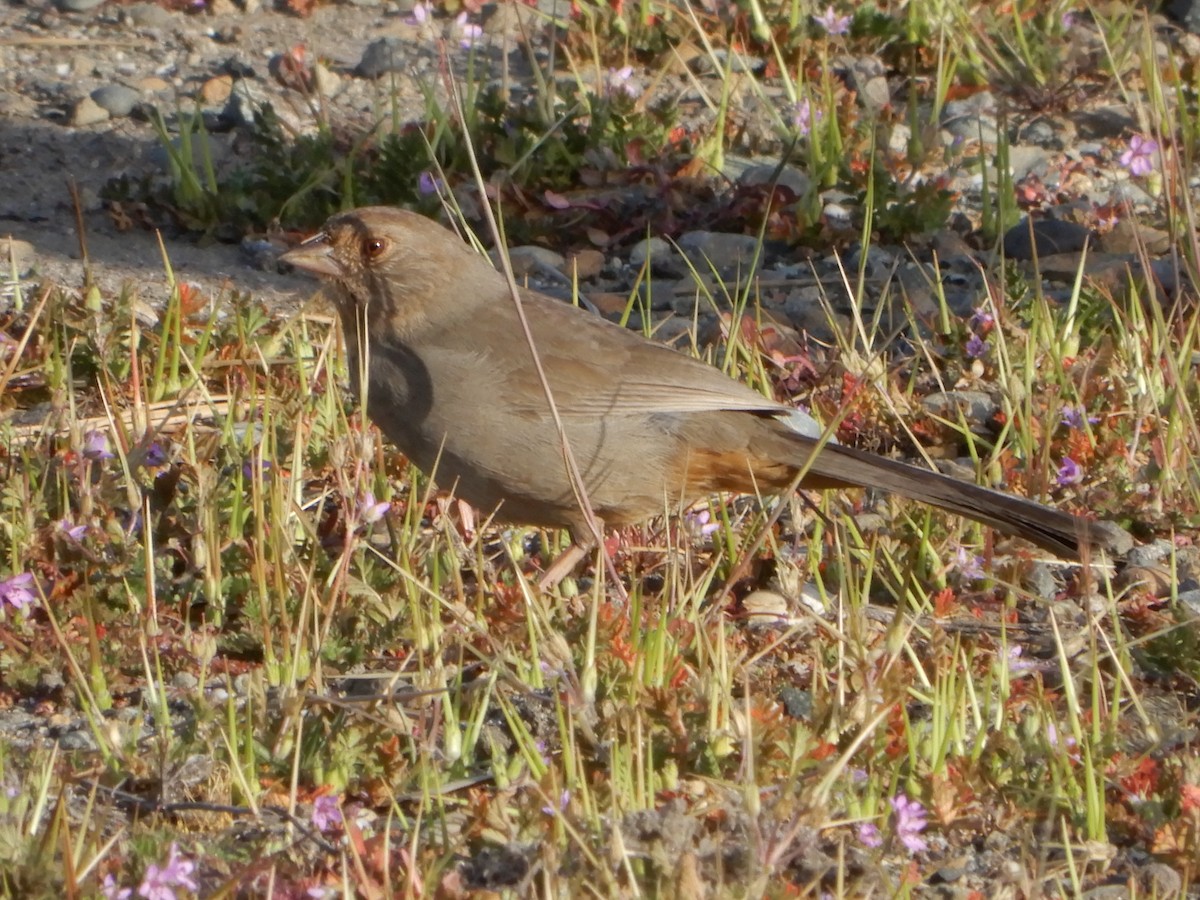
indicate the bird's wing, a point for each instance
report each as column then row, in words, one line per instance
column 596, row 368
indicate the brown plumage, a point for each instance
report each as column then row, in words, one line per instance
column 451, row 382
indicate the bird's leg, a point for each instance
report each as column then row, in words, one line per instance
column 563, row 565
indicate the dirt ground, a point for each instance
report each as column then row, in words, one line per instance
column 51, row 60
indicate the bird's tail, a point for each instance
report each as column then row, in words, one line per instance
column 1063, row 534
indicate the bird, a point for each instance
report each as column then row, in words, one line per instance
column 451, row 380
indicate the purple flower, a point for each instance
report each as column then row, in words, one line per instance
column 618, row 82
column 1069, row 472
column 868, row 835
column 160, row 884
column 110, row 890
column 700, row 524
column 327, row 813
column 419, row 15
column 976, row 346
column 74, row 532
column 1016, row 659
column 982, row 319
column 368, row 511
column 832, row 22
column 1072, row 417
column 969, row 565
column 1054, row 741
column 468, row 32
column 1068, row 20
column 1139, row 158
column 563, row 800
column 155, row 455
column 95, row 445
column 802, row 116
column 249, row 466
column 428, row 183
column 17, row 592
column 910, row 822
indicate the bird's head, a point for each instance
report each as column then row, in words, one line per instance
column 390, row 266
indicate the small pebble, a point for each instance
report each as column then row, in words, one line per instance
column 328, row 84
column 117, row 99
column 216, row 90
column 87, row 112
column 16, row 256
column 388, row 54
column 78, row 5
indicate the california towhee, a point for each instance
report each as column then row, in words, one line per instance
column 452, row 382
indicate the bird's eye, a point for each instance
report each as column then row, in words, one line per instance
column 374, row 247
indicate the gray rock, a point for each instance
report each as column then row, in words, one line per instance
column 1130, row 237
column 559, row 9
column 1043, row 579
column 87, row 112
column 1191, row 600
column 1107, row 892
column 654, row 250
column 388, row 54
column 1045, row 132
column 245, row 101
column 1163, row 880
column 804, row 311
column 741, row 63
column 508, row 21
column 948, row 874
column 260, row 254
column 1027, row 159
column 185, row 681
column 951, row 247
column 879, row 261
column 727, row 253
column 1166, row 273
column 1105, row 122
column 1128, row 191
column 77, row 740
column 78, row 5
column 14, row 105
column 766, row 609
column 838, row 217
column 917, row 282
column 534, row 260
column 899, row 139
column 118, row 99
column 977, row 407
column 789, row 177
column 147, row 15
column 796, row 703
column 867, row 76
column 1186, row 13
column 972, row 118
column 1050, row 236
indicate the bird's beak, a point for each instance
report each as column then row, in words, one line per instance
column 314, row 256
